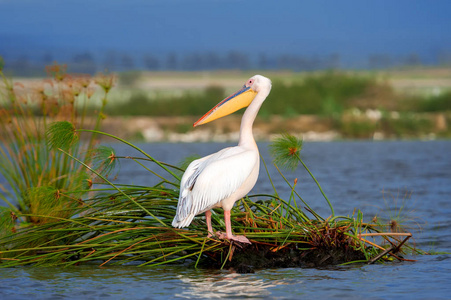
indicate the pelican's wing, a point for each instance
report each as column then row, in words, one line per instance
column 211, row 179
column 183, row 216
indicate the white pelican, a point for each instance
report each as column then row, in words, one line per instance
column 222, row 178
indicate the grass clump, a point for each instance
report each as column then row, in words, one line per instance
column 357, row 128
column 37, row 175
column 189, row 103
column 438, row 103
column 408, row 124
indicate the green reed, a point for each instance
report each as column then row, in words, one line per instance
column 38, row 176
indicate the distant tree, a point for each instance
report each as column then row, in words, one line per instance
column 237, row 60
column 412, row 59
column 192, row 62
column 333, row 61
column 171, row 61
column 379, row 61
column 296, row 62
column 212, row 61
column 47, row 59
column 284, row 61
column 83, row 63
column 151, row 62
column 21, row 66
column 126, row 62
column 262, row 61
column 314, row 63
column 444, row 58
column 111, row 60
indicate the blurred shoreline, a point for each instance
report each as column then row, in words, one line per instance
column 379, row 112
column 308, row 127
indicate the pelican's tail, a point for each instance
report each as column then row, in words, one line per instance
column 184, row 214
column 179, row 223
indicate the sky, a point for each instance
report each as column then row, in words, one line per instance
column 353, row 29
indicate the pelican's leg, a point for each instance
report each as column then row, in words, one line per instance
column 229, row 235
column 209, row 227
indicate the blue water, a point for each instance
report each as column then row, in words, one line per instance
column 410, row 181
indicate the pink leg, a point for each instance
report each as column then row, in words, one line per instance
column 228, row 224
column 209, row 227
column 229, row 235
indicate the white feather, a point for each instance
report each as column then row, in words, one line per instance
column 212, row 179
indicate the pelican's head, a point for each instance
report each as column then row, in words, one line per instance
column 257, row 84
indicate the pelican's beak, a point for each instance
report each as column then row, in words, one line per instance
column 229, row 105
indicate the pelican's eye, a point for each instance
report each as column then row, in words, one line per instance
column 250, row 82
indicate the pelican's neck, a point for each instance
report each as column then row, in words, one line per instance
column 246, row 136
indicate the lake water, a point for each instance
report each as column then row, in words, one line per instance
column 410, row 181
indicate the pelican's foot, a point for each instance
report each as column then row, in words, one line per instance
column 238, row 238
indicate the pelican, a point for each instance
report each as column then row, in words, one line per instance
column 222, row 178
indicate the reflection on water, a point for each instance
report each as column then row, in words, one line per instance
column 428, row 278
column 227, row 285
column 353, row 175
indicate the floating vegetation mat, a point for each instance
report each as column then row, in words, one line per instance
column 115, row 224
column 111, row 230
